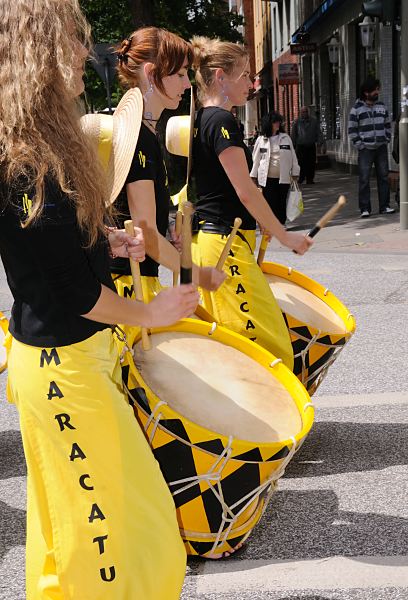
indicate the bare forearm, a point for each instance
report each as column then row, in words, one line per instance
column 111, row 308
column 161, row 250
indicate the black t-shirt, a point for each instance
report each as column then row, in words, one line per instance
column 53, row 277
column 215, row 130
column 147, row 164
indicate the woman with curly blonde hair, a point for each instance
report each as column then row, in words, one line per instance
column 101, row 522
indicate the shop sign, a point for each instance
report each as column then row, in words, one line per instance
column 288, row 74
column 303, row 48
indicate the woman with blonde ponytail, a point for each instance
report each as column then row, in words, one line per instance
column 157, row 62
column 101, row 522
column 221, row 163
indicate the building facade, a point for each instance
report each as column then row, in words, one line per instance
column 331, row 76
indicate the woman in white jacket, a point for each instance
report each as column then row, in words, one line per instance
column 274, row 163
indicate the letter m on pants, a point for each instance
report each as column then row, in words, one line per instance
column 48, row 358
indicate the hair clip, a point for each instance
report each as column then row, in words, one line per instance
column 123, row 58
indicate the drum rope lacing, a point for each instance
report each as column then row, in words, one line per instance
column 213, row 477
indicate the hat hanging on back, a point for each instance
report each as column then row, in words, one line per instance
column 115, row 138
column 179, row 141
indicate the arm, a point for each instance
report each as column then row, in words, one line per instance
column 233, row 161
column 387, row 126
column 142, row 206
column 353, row 129
column 166, row 308
column 295, row 165
column 256, row 160
column 294, row 133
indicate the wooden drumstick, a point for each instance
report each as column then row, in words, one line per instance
column 328, row 216
column 227, row 247
column 262, row 249
column 177, row 231
column 137, row 284
column 186, row 262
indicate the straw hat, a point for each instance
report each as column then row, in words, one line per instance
column 115, row 137
column 179, row 134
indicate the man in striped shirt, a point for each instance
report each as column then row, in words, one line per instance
column 369, row 131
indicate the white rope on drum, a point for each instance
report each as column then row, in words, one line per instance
column 155, row 419
column 213, row 328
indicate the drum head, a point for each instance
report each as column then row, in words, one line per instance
column 304, row 306
column 218, row 387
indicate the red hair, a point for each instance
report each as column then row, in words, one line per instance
column 165, row 50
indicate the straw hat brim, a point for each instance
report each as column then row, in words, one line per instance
column 127, row 120
column 179, row 134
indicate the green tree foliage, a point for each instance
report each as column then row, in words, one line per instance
column 113, row 21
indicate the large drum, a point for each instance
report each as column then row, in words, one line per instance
column 223, row 417
column 3, row 331
column 319, row 324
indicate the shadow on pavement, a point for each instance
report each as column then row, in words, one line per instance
column 11, row 451
column 334, row 447
column 12, row 528
column 310, row 525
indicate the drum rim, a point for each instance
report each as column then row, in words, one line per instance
column 291, row 383
column 318, row 290
column 4, row 325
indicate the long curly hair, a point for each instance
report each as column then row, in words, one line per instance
column 40, row 135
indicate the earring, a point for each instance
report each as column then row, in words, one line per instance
column 226, row 98
column 149, row 92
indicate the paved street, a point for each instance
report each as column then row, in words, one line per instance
column 337, row 529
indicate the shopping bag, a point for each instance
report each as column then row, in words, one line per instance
column 294, row 203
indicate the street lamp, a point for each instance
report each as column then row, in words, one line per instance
column 333, row 48
column 367, row 30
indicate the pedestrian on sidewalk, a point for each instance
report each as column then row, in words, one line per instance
column 369, row 131
column 306, row 133
column 275, row 163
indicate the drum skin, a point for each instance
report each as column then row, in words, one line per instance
column 214, row 479
column 315, row 349
column 3, row 332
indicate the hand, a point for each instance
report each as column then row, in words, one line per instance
column 175, row 238
column 125, row 245
column 297, row 241
column 210, row 278
column 171, row 305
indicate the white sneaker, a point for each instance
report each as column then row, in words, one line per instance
column 387, row 211
column 365, row 214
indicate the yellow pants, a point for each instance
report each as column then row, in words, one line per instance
column 244, row 303
column 101, row 523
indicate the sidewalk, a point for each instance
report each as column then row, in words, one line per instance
column 348, row 232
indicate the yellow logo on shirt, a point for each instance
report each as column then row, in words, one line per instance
column 225, row 133
column 142, row 159
column 166, row 183
column 195, row 131
column 27, row 205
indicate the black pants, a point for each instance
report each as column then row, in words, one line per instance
column 275, row 194
column 307, row 161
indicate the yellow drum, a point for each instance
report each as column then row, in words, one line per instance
column 3, row 332
column 223, row 417
column 319, row 324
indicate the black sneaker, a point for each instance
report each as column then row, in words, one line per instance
column 387, row 211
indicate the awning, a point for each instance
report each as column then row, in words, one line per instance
column 316, row 18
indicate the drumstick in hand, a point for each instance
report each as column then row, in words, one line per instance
column 186, row 268
column 177, row 231
column 328, row 216
column 137, row 284
column 227, row 247
column 262, row 249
